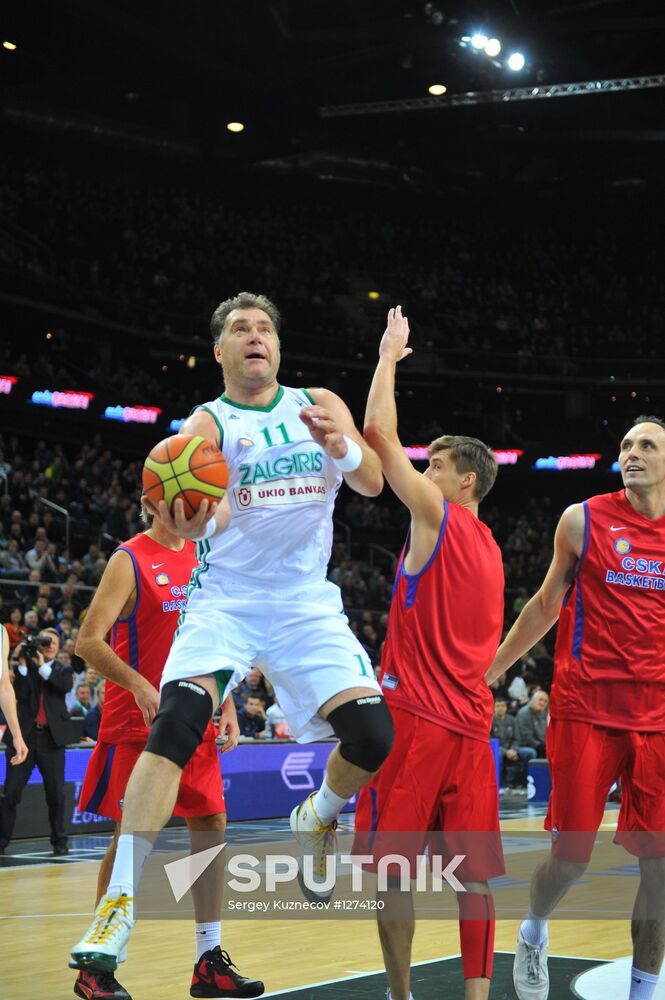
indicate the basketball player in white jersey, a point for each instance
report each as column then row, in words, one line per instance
column 260, row 592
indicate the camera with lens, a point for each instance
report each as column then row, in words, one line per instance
column 30, row 649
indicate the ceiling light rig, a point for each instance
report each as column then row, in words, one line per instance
column 538, row 93
column 480, row 41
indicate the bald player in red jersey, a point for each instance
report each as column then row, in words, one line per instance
column 606, row 585
column 138, row 601
column 444, row 627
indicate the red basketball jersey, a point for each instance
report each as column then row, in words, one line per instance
column 144, row 638
column 444, row 628
column 609, row 660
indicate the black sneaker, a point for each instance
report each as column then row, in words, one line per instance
column 99, row 986
column 214, row 976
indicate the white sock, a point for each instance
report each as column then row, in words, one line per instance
column 534, row 930
column 132, row 852
column 390, row 996
column 208, row 936
column 642, row 984
column 327, row 804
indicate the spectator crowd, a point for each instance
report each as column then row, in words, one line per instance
column 161, row 254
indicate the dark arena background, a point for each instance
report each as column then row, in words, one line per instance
column 495, row 168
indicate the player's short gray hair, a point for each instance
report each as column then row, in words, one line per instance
column 243, row 300
column 648, row 419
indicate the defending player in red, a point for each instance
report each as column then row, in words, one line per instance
column 606, row 585
column 443, row 630
column 139, row 599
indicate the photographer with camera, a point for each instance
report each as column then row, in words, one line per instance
column 41, row 684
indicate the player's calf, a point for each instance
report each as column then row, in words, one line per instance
column 476, row 926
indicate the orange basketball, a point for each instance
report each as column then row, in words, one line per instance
column 188, row 467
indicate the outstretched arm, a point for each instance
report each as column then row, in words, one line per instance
column 540, row 613
column 421, row 496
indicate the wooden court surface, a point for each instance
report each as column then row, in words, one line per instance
column 44, row 909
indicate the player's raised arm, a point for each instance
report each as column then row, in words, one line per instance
column 114, row 598
column 331, row 425
column 416, row 491
column 540, row 613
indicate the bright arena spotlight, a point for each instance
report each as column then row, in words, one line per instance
column 479, row 41
column 516, row 62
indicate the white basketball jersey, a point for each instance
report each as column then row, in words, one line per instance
column 282, row 488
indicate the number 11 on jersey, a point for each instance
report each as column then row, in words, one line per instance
column 268, row 436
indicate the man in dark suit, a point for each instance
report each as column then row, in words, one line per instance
column 40, row 684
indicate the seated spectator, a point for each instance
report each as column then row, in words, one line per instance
column 276, row 725
column 82, row 701
column 92, row 678
column 64, row 628
column 68, row 598
column 16, row 630
column 90, row 558
column 31, row 622
column 370, row 641
column 504, row 729
column 45, row 614
column 39, row 558
column 252, row 718
column 253, row 684
column 12, row 563
column 532, row 725
column 518, row 691
column 94, row 716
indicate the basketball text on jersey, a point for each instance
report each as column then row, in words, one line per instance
column 286, row 465
column 646, row 573
column 282, row 491
column 180, row 599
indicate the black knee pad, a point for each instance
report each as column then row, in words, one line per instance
column 185, row 709
column 364, row 728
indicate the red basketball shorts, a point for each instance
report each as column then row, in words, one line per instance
column 585, row 761
column 201, row 791
column 433, row 782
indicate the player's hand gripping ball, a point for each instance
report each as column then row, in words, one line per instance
column 188, row 467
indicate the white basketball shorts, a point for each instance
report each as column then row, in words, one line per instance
column 298, row 636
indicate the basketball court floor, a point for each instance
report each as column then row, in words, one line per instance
column 46, row 903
